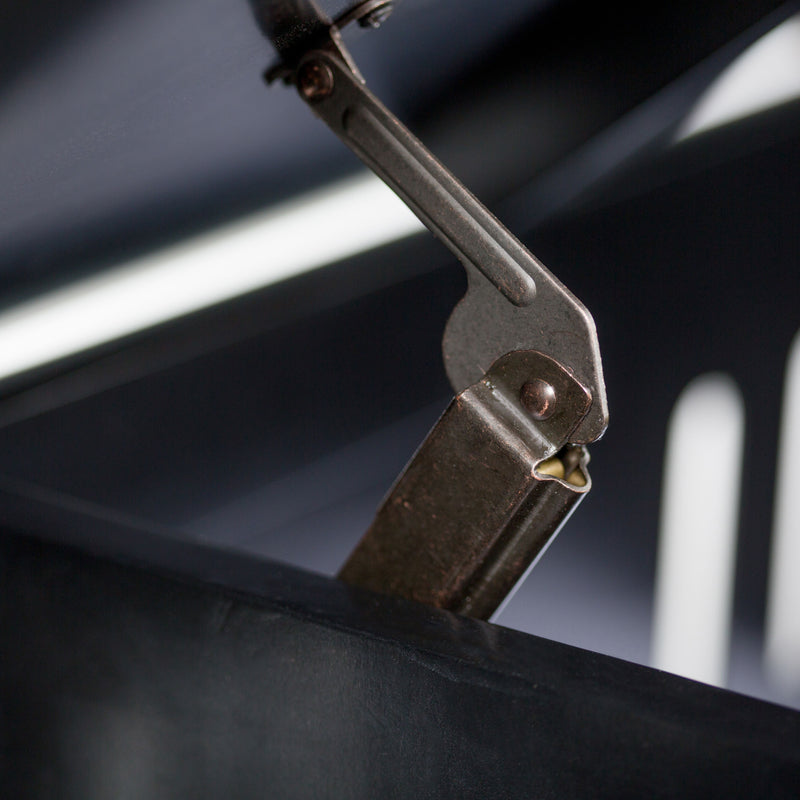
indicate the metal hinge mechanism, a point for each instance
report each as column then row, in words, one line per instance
column 506, row 464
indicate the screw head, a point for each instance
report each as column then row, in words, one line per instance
column 539, row 399
column 377, row 16
column 315, row 80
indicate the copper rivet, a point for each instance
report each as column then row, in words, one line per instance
column 539, row 399
column 315, row 80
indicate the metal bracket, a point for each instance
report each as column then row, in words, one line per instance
column 484, row 495
column 513, row 302
column 504, row 467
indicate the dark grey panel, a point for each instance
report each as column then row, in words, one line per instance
column 179, row 671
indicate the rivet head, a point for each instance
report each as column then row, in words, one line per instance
column 315, row 80
column 377, row 16
column 539, row 399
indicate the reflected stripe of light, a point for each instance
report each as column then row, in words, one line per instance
column 782, row 649
column 765, row 75
column 697, row 537
column 346, row 218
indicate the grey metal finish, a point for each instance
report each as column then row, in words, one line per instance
column 473, row 509
column 481, row 500
column 513, row 302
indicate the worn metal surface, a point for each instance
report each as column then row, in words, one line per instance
column 513, row 302
column 201, row 673
column 471, row 512
column 470, row 515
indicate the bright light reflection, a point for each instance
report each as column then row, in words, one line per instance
column 765, row 75
column 697, row 539
column 782, row 649
column 341, row 220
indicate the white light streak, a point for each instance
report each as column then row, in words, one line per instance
column 782, row 648
column 765, row 75
column 697, row 540
column 349, row 217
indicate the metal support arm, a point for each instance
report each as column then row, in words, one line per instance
column 504, row 467
column 513, row 301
